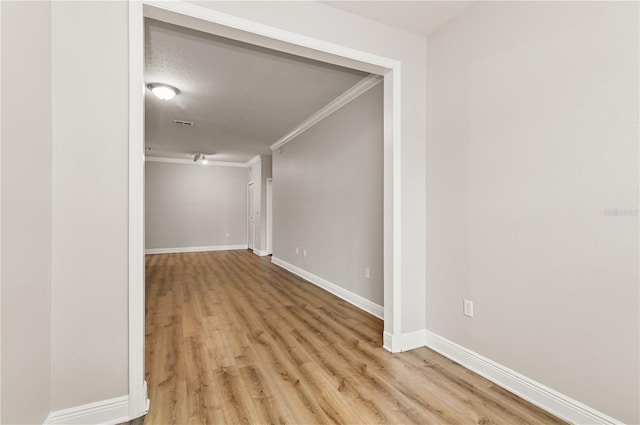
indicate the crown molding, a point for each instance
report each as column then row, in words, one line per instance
column 357, row 90
column 190, row 162
column 252, row 161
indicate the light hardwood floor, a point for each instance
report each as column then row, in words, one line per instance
column 233, row 339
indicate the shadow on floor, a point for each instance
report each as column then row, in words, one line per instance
column 137, row 421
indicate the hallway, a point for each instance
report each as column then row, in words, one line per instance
column 231, row 338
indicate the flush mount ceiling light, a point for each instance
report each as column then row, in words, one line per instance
column 163, row 91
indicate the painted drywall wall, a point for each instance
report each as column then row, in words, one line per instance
column 327, row 198
column 90, row 202
column 194, row 205
column 532, row 193
column 26, row 212
column 344, row 29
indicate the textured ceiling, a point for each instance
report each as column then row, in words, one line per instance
column 241, row 97
column 422, row 17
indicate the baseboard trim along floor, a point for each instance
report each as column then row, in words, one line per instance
column 536, row 393
column 355, row 299
column 194, row 249
column 107, row 412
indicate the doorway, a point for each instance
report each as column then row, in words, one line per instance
column 209, row 20
column 250, row 209
column 269, row 230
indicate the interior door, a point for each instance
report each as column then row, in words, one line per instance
column 269, row 216
column 250, row 227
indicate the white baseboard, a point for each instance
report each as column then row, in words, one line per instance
column 403, row 342
column 542, row 396
column 412, row 340
column 194, row 249
column 261, row 253
column 106, row 412
column 387, row 342
column 350, row 297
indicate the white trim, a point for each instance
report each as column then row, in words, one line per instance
column 50, row 330
column 355, row 299
column 542, row 396
column 396, row 310
column 194, row 249
column 252, row 161
column 261, row 253
column 191, row 162
column 252, row 27
column 138, row 403
column 404, row 342
column 387, row 341
column 106, row 412
column 269, row 216
column 352, row 93
column 251, row 229
column 412, row 340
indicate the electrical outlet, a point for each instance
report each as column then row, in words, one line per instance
column 468, row 308
column 297, row 251
column 367, row 274
column 304, row 252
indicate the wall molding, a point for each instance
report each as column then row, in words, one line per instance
column 195, row 249
column 190, row 162
column 352, row 93
column 387, row 342
column 261, row 253
column 252, row 161
column 536, row 393
column 403, row 342
column 106, row 412
column 352, row 298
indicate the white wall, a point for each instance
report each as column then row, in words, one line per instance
column 90, row 202
column 533, row 137
column 327, row 198
column 194, row 205
column 26, row 212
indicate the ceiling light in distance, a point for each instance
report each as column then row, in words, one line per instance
column 163, row 91
column 200, row 157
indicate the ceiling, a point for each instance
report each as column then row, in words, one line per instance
column 240, row 97
column 422, row 17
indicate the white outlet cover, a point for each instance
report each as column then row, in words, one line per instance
column 468, row 308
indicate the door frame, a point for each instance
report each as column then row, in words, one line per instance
column 251, row 228
column 269, row 216
column 230, row 26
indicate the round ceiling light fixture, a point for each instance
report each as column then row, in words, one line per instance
column 163, row 91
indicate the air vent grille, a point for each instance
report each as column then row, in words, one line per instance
column 183, row 123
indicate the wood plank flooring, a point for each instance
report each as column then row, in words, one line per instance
column 233, row 339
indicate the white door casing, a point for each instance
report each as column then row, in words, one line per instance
column 269, row 230
column 250, row 221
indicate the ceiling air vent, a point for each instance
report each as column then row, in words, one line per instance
column 183, row 123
